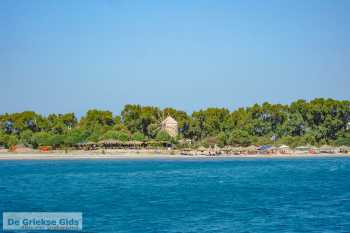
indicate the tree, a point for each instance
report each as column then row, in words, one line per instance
column 60, row 123
column 222, row 139
column 138, row 119
column 239, row 138
column 343, row 140
column 295, row 125
column 75, row 136
column 116, row 135
column 18, row 122
column 3, row 139
column 96, row 118
column 303, row 122
column 26, row 137
column 152, row 130
column 208, row 122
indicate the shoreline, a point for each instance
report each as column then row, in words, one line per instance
column 149, row 156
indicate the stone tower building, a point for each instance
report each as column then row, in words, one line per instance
column 170, row 125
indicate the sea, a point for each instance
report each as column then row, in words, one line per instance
column 185, row 195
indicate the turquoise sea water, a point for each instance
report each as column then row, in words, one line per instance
column 221, row 195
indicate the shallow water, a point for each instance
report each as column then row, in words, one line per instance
column 221, row 195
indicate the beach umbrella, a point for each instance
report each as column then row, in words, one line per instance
column 264, row 147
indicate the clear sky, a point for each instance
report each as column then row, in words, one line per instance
column 71, row 56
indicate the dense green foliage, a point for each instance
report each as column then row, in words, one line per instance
column 320, row 121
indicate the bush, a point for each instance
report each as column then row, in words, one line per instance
column 138, row 137
column 3, row 139
column 343, row 141
column 12, row 141
column 41, row 139
column 122, row 136
column 120, row 127
column 209, row 142
column 163, row 136
column 57, row 140
column 27, row 137
column 221, row 139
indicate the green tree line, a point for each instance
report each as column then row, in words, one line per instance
column 320, row 121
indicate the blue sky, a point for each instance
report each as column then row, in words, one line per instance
column 71, row 56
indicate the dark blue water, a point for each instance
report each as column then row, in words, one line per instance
column 250, row 195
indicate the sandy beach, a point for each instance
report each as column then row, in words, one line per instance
column 78, row 156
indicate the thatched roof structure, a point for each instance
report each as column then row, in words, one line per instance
column 169, row 120
column 137, row 143
column 226, row 149
column 202, row 148
column 326, row 147
column 284, row 147
column 87, row 143
column 344, row 149
column 250, row 148
column 303, row 148
column 117, row 144
column 110, row 142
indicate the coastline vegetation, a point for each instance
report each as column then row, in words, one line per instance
column 317, row 122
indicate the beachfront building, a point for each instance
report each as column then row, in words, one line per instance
column 302, row 149
column 344, row 149
column 170, row 126
column 314, row 150
column 325, row 149
column 20, row 148
column 3, row 149
column 251, row 150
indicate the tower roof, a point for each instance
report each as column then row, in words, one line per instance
column 169, row 120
